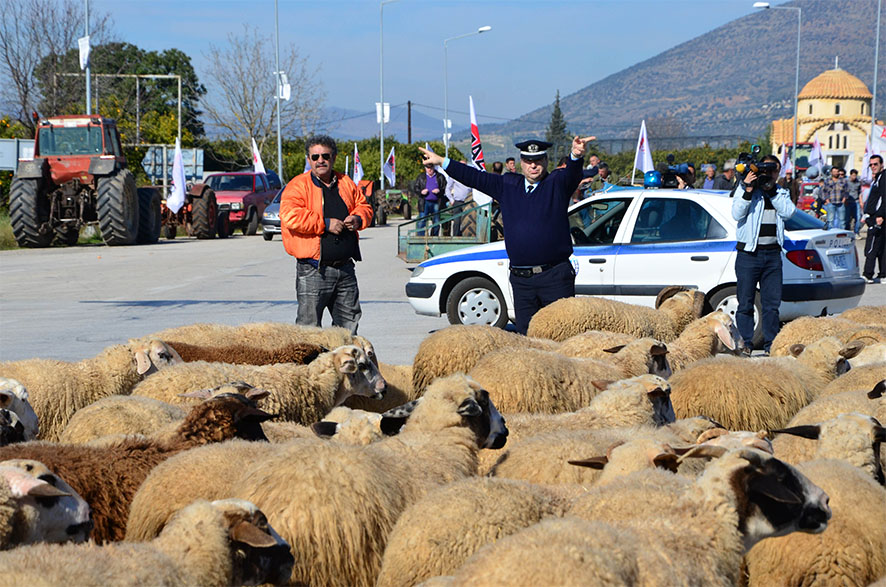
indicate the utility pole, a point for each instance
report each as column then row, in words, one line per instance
column 279, row 87
column 409, row 122
column 88, row 88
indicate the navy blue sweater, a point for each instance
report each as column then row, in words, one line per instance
column 536, row 226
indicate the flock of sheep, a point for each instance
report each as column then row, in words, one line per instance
column 613, row 445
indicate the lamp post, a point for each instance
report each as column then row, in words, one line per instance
column 766, row 6
column 278, row 88
column 876, row 60
column 381, row 92
column 482, row 29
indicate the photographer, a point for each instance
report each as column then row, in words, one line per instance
column 760, row 207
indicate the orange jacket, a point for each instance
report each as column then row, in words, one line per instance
column 301, row 213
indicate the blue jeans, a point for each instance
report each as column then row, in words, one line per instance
column 430, row 208
column 533, row 293
column 835, row 215
column 852, row 210
column 334, row 288
column 751, row 269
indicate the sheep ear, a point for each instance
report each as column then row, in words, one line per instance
column 614, row 349
column 5, row 398
column 682, row 450
column 593, row 462
column 198, row 394
column 142, row 362
column 252, row 414
column 256, row 394
column 44, row 489
column 390, row 425
column 878, row 390
column 250, row 534
column 658, row 349
column 601, row 384
column 325, row 429
column 667, row 461
column 656, row 391
column 704, row 451
column 666, row 293
column 851, row 349
column 797, row 349
column 470, row 407
column 810, row 432
column 766, row 485
column 879, row 434
column 346, row 362
column 722, row 332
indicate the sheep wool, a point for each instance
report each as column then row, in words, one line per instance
column 857, row 378
column 300, row 353
column 869, row 315
column 119, row 415
column 808, row 329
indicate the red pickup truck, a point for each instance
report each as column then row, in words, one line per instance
column 244, row 194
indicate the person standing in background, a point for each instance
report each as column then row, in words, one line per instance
column 457, row 193
column 835, row 190
column 430, row 185
column 853, row 202
column 875, row 216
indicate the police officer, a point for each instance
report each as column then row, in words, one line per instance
column 533, row 207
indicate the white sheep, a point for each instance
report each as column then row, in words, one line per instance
column 807, row 329
column 675, row 308
column 357, row 491
column 119, row 415
column 871, row 354
column 697, row 537
column 298, row 393
column 38, row 506
column 14, row 397
column 865, row 377
column 852, row 551
column 226, row 542
column 870, row 315
column 759, row 393
column 57, row 389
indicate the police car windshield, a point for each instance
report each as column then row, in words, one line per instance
column 803, row 221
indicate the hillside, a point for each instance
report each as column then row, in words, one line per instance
column 732, row 80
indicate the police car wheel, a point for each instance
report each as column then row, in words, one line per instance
column 477, row 300
column 726, row 300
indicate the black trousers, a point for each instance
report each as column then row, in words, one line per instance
column 875, row 251
column 540, row 289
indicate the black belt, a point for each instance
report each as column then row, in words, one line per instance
column 533, row 270
column 335, row 264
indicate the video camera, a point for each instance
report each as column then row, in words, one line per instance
column 750, row 162
column 669, row 172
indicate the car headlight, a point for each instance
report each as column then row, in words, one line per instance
column 270, row 216
column 236, row 206
column 418, row 271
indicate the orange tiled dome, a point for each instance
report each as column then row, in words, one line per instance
column 835, row 83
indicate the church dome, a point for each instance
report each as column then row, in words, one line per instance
column 835, row 83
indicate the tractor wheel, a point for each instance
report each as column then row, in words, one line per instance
column 169, row 231
column 204, row 212
column 252, row 225
column 118, row 208
column 407, row 210
column 28, row 213
column 149, row 219
column 469, row 222
column 223, row 225
column 382, row 216
column 67, row 234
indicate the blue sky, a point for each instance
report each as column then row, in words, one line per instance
column 534, row 47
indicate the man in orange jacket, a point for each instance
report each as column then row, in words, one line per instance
column 320, row 214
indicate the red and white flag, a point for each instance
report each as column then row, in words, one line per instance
column 358, row 166
column 390, row 169
column 257, row 165
column 786, row 164
column 643, row 156
column 866, row 175
column 476, row 146
column 815, row 157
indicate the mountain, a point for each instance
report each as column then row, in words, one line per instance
column 733, row 80
column 354, row 125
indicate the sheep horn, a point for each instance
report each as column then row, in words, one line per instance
column 703, row 451
column 666, row 460
column 851, row 349
column 666, row 293
column 878, row 390
column 614, row 349
column 809, row 431
column 796, row 349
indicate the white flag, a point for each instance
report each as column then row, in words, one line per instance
column 643, row 156
column 358, row 166
column 815, row 157
column 83, row 43
column 177, row 198
column 878, row 142
column 786, row 165
column 390, row 169
column 257, row 165
column 866, row 175
column 307, row 165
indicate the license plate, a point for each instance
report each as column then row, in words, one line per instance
column 839, row 261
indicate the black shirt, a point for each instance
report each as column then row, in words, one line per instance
column 335, row 247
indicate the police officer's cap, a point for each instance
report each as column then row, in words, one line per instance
column 533, row 149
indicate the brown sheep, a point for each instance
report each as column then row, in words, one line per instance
column 301, row 353
column 107, row 477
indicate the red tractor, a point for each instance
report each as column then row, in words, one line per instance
column 78, row 176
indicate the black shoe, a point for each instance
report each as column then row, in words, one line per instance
column 745, row 351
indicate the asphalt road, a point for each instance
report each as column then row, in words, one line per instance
column 70, row 303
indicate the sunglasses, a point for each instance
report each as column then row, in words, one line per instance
column 326, row 156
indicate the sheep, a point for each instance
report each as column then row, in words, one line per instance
column 301, row 353
column 697, row 536
column 865, row 377
column 226, row 542
column 827, row 407
column 119, row 414
column 852, row 437
column 436, row 534
column 852, row 551
column 807, row 329
column 868, row 315
column 363, row 488
column 548, row 382
column 760, row 393
column 107, row 477
column 398, row 390
column 638, row 356
column 675, row 308
column 871, row 354
column 38, row 506
column 298, row 393
column 57, row 389
column 342, row 425
column 14, row 397
column 456, row 349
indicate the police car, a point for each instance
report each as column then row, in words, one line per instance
column 629, row 243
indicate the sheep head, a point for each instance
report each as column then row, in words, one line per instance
column 153, row 356
column 827, row 355
column 634, row 455
column 11, row 428
column 223, row 417
column 14, row 397
column 878, row 390
column 724, row 327
column 361, row 375
column 681, row 299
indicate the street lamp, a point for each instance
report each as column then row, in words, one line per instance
column 766, row 6
column 876, row 61
column 381, row 92
column 482, row 29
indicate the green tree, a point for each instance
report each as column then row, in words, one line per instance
column 557, row 134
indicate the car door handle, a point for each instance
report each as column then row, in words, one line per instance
column 596, row 260
column 699, row 258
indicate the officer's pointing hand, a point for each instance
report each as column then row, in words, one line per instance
column 429, row 157
column 579, row 145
